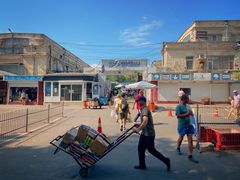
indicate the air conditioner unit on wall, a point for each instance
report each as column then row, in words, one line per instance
column 202, row 56
column 238, row 43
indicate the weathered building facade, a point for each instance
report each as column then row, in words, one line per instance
column 36, row 54
column 203, row 61
column 204, row 47
column 25, row 58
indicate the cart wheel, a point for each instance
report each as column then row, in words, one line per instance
column 83, row 172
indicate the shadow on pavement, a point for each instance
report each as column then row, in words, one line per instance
column 40, row 163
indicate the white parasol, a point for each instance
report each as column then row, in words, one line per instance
column 140, row 85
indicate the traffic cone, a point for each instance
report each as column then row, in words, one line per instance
column 216, row 113
column 170, row 113
column 99, row 125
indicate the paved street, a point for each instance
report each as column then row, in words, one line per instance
column 31, row 157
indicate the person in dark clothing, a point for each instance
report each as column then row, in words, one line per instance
column 146, row 140
column 109, row 97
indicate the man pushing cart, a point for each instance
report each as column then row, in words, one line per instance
column 87, row 146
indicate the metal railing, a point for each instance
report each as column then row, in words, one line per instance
column 211, row 119
column 15, row 123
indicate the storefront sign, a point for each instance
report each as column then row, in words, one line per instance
column 215, row 76
column 22, row 78
column 165, row 77
column 175, row 77
column 155, row 77
column 202, row 76
column 95, row 89
column 226, row 77
column 124, row 63
column 185, row 77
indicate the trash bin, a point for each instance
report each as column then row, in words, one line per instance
column 151, row 106
column 85, row 104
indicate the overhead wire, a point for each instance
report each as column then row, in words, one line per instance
column 98, row 52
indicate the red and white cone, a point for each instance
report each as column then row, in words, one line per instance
column 99, row 125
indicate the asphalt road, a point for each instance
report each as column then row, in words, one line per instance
column 31, row 156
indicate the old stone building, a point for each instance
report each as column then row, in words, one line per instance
column 203, row 61
column 24, row 59
column 36, row 54
column 205, row 46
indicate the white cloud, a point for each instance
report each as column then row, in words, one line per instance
column 138, row 35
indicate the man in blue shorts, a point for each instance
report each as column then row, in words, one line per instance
column 183, row 113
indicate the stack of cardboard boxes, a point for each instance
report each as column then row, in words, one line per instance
column 85, row 143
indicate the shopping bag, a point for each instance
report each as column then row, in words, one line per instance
column 112, row 114
column 116, row 116
column 194, row 123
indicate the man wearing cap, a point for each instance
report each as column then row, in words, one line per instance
column 146, row 140
column 236, row 102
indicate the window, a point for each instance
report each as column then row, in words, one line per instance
column 66, row 92
column 201, row 35
column 48, row 88
column 71, row 92
column 95, row 89
column 210, row 64
column 76, row 92
column 55, row 89
column 235, row 37
column 220, row 62
column 189, row 62
column 214, row 37
column 89, row 90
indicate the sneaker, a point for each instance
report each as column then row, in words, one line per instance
column 140, row 167
column 168, row 164
column 192, row 159
column 179, row 151
column 124, row 129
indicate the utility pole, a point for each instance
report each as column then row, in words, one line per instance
column 50, row 59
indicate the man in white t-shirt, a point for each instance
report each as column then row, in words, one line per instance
column 236, row 100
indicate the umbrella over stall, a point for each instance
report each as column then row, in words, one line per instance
column 120, row 86
column 140, row 85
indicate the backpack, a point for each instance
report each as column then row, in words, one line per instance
column 124, row 105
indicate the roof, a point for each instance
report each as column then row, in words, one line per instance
column 6, row 73
column 71, row 74
column 46, row 37
column 197, row 22
column 70, row 77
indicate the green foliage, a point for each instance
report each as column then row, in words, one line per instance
column 129, row 78
column 236, row 75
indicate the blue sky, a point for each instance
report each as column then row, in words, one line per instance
column 102, row 29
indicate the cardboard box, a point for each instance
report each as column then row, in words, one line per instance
column 69, row 137
column 98, row 148
column 81, row 134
